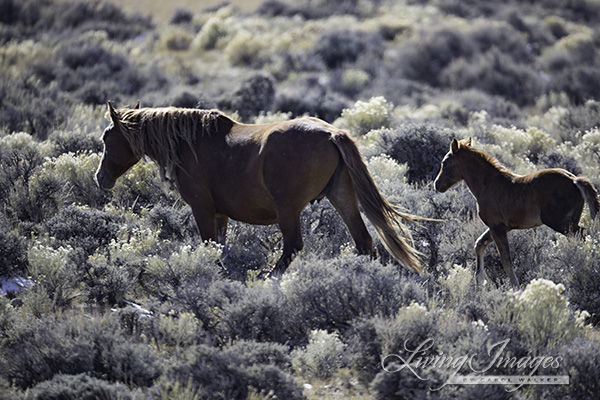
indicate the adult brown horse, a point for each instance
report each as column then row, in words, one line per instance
column 258, row 174
column 505, row 201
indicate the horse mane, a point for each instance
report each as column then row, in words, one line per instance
column 488, row 159
column 158, row 132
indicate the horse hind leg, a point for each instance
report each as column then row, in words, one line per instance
column 565, row 220
column 573, row 223
column 343, row 198
column 589, row 194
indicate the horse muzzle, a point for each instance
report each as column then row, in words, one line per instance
column 439, row 186
column 103, row 181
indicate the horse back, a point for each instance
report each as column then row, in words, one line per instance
column 526, row 201
column 552, row 182
column 250, row 171
column 555, row 194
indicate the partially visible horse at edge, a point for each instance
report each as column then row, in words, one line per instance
column 506, row 201
column 258, row 174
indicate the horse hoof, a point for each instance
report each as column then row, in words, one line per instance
column 272, row 274
column 275, row 274
column 263, row 275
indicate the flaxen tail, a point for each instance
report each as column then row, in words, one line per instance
column 381, row 213
column 590, row 195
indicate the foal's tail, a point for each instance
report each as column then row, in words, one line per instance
column 382, row 214
column 590, row 195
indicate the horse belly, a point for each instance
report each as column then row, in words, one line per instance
column 514, row 212
column 525, row 220
column 523, row 212
column 255, row 213
column 251, row 204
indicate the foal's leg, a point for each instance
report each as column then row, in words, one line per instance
column 480, row 245
column 498, row 233
column 343, row 197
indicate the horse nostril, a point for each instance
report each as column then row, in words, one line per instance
column 438, row 187
column 103, row 182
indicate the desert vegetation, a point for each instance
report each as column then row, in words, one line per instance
column 124, row 301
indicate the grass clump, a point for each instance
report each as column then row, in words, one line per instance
column 376, row 113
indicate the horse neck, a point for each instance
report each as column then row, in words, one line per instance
column 477, row 171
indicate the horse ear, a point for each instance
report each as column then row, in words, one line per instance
column 113, row 114
column 469, row 141
column 137, row 105
column 454, row 146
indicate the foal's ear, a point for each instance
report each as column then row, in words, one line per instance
column 454, row 146
column 137, row 105
column 469, row 141
column 114, row 117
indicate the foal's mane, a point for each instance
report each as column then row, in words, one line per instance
column 158, row 132
column 488, row 159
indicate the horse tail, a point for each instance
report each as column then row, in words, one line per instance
column 589, row 194
column 382, row 214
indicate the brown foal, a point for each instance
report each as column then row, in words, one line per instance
column 506, row 201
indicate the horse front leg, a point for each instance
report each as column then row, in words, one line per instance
column 221, row 228
column 499, row 235
column 206, row 222
column 480, row 245
column 289, row 223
